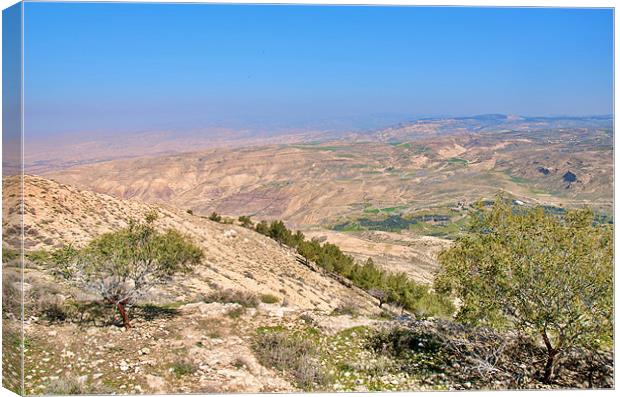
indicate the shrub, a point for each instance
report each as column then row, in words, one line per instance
column 246, row 221
column 9, row 254
column 39, row 257
column 400, row 342
column 66, row 386
column 307, row 318
column 215, row 217
column 11, row 293
column 348, row 308
column 279, row 232
column 262, row 227
column 292, row 353
column 245, row 299
column 237, row 312
column 182, row 368
column 546, row 275
column 269, row 298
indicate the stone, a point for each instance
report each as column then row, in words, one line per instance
column 155, row 383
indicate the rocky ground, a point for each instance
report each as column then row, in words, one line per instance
column 224, row 347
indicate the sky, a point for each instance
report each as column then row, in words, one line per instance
column 129, row 67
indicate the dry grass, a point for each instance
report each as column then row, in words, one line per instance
column 245, row 299
column 347, row 307
column 293, row 354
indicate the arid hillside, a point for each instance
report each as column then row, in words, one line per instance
column 188, row 335
column 57, row 215
column 330, row 184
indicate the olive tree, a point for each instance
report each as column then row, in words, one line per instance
column 547, row 275
column 122, row 266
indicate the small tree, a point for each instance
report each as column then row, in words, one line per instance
column 548, row 276
column 262, row 227
column 215, row 217
column 279, row 232
column 246, row 221
column 379, row 294
column 122, row 266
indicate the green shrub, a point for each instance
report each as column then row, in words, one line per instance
column 9, row 254
column 400, row 342
column 269, row 298
column 39, row 257
column 215, row 217
column 246, row 221
column 262, row 227
column 182, row 368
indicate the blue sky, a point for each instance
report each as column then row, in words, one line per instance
column 129, row 67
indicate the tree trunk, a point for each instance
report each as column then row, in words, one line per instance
column 121, row 309
column 549, row 367
column 551, row 355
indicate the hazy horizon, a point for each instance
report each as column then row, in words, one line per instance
column 109, row 68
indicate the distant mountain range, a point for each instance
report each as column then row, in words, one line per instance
column 61, row 151
column 490, row 123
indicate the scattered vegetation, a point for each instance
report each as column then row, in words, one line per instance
column 468, row 357
column 399, row 289
column 11, row 293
